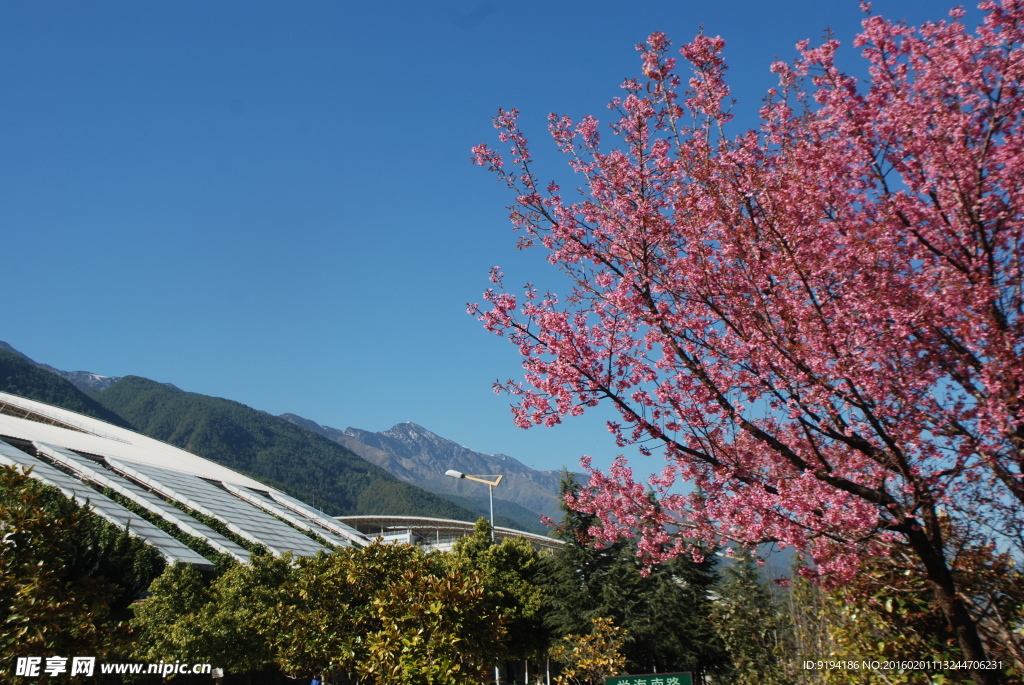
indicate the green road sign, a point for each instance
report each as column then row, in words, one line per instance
column 652, row 679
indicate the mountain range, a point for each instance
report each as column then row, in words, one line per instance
column 398, row 471
column 416, row 455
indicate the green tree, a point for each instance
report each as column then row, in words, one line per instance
column 243, row 598
column 168, row 623
column 382, row 614
column 223, row 622
column 665, row 613
column 509, row 571
column 749, row 624
column 589, row 659
column 66, row 575
column 888, row 613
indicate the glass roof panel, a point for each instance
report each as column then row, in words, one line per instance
column 173, row 550
column 93, row 471
column 241, row 518
column 276, row 509
column 321, row 519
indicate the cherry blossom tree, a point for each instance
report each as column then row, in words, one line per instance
column 817, row 322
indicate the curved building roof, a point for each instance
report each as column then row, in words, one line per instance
column 86, row 434
column 81, row 456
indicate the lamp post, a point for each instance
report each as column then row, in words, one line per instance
column 491, row 484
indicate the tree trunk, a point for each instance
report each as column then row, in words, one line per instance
column 960, row 620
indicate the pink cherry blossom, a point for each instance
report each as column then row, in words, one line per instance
column 818, row 322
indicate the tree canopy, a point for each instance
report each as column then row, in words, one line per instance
column 385, row 613
column 511, row 574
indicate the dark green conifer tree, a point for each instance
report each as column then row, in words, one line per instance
column 750, row 625
column 666, row 613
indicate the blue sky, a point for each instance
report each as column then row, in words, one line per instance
column 273, row 201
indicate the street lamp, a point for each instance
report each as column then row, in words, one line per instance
column 491, row 484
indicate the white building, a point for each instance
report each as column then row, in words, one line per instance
column 82, row 456
column 431, row 533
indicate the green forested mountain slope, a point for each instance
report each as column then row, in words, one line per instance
column 20, row 376
column 272, row 449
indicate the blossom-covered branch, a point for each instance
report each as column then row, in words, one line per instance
column 818, row 322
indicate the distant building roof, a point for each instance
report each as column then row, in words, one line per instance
column 433, row 533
